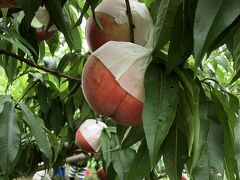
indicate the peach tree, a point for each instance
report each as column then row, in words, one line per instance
column 190, row 113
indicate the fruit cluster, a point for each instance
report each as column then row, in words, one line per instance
column 40, row 21
column 113, row 76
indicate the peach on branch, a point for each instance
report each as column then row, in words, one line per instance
column 88, row 135
column 40, row 22
column 101, row 174
column 113, row 81
column 114, row 21
column 43, row 35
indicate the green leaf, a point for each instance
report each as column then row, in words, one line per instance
column 37, row 127
column 227, row 107
column 234, row 48
column 30, row 36
column 120, row 159
column 181, row 41
column 65, row 61
column 84, row 11
column 55, row 10
column 210, row 166
column 210, row 22
column 29, row 7
column 140, row 166
column 161, row 100
column 189, row 112
column 3, row 100
column 57, row 118
column 9, row 136
column 53, row 43
column 135, row 134
column 75, row 31
column 175, row 153
column 44, row 98
column 164, row 22
column 236, row 77
column 106, row 146
column 19, row 42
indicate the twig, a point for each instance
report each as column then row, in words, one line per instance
column 52, row 71
column 130, row 21
column 70, row 159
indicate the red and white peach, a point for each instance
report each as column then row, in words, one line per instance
column 88, row 135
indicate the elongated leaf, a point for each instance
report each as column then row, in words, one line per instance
column 134, row 135
column 234, row 47
column 189, row 111
column 53, row 43
column 84, row 11
column 228, row 109
column 76, row 31
column 57, row 118
column 55, row 10
column 36, row 127
column 181, row 40
column 164, row 22
column 175, row 153
column 120, row 159
column 210, row 165
column 3, row 100
column 18, row 44
column 30, row 36
column 204, row 120
column 9, row 136
column 44, row 98
column 106, row 146
column 161, row 100
column 65, row 60
column 211, row 21
column 29, row 7
column 140, row 166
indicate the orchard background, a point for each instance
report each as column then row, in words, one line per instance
column 191, row 111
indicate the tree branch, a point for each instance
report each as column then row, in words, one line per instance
column 70, row 159
column 52, row 71
column 130, row 21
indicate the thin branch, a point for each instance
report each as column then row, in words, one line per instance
column 52, row 71
column 130, row 21
column 70, row 159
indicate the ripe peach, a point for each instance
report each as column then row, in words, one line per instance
column 107, row 97
column 44, row 35
column 8, row 4
column 115, row 24
column 88, row 135
column 111, row 31
column 40, row 22
column 101, row 174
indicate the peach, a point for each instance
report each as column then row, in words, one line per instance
column 87, row 136
column 40, row 22
column 115, row 24
column 101, row 174
column 111, row 31
column 105, row 95
column 8, row 4
column 44, row 35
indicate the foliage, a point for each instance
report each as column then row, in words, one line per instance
column 191, row 118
